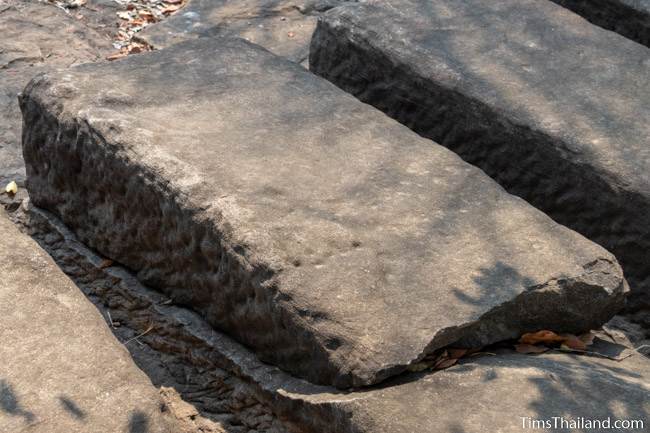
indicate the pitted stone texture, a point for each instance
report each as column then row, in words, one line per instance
column 630, row 18
column 332, row 240
column 486, row 393
column 552, row 107
column 35, row 37
column 283, row 27
column 62, row 369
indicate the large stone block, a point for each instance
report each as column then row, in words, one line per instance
column 61, row 369
column 324, row 235
column 552, row 107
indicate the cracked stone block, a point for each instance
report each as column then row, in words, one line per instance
column 330, row 239
column 62, row 369
column 630, row 18
column 552, row 107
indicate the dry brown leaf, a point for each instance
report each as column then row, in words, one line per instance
column 457, row 353
column 573, row 342
column 174, row 2
column 530, row 348
column 543, row 336
column 445, row 363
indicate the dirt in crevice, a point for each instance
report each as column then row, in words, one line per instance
column 201, row 395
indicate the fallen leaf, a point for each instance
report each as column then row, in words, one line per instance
column 530, row 348
column 457, row 353
column 11, row 188
column 543, row 336
column 445, row 363
column 291, row 34
column 174, row 2
column 573, row 342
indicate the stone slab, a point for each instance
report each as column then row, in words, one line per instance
column 552, row 107
column 630, row 18
column 489, row 393
column 283, row 27
column 61, row 369
column 329, row 238
column 35, row 37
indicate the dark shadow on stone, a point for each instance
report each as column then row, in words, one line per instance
column 569, row 394
column 72, row 408
column 138, row 422
column 9, row 402
column 500, row 275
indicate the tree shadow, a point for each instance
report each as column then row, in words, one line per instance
column 138, row 422
column 71, row 407
column 10, row 404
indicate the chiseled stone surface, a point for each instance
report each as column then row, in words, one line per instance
column 283, row 27
column 62, row 371
column 330, row 239
column 552, row 107
column 630, row 18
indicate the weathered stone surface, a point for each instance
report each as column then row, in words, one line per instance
column 35, row 37
column 198, row 391
column 630, row 18
column 554, row 108
column 62, row 371
column 283, row 27
column 484, row 394
column 501, row 393
column 332, row 240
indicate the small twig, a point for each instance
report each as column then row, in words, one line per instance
column 110, row 319
column 139, row 335
column 471, row 355
column 602, row 355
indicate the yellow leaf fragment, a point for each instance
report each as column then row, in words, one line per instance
column 11, row 188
